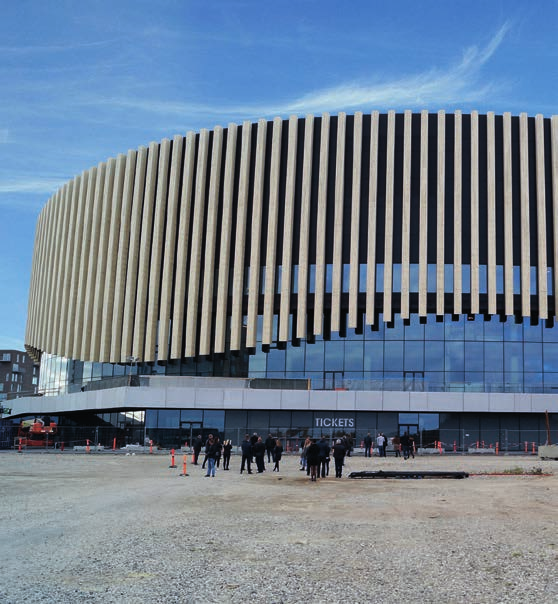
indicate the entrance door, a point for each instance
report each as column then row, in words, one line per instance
column 412, row 430
column 189, row 431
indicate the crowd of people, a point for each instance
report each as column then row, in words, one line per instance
column 315, row 454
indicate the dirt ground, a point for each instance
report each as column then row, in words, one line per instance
column 110, row 527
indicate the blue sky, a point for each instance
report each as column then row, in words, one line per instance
column 83, row 81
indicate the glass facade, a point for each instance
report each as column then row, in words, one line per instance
column 463, row 353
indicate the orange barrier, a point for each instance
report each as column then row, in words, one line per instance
column 114, row 444
column 533, row 448
column 526, row 446
column 454, row 446
column 497, row 448
column 184, row 466
column 172, row 459
column 88, row 448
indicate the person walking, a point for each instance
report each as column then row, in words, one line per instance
column 339, row 451
column 277, row 454
column 367, row 445
column 227, row 448
column 303, row 451
column 396, row 442
column 246, row 448
column 405, row 445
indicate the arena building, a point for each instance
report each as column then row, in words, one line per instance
column 338, row 274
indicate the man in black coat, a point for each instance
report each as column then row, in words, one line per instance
column 339, row 451
column 324, row 456
column 367, row 445
column 259, row 454
column 269, row 446
column 246, row 448
column 198, row 444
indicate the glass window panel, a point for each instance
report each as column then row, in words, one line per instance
column 169, row 418
column 414, row 356
column 295, row 358
column 397, row 278
column 433, row 330
column 516, row 280
column 373, row 356
column 494, row 381
column 513, row 331
column 214, row 419
column 434, row 356
column 312, row 279
column 431, row 278
column 378, row 332
column 533, row 356
column 362, row 278
column 191, row 415
column 315, row 357
column 494, row 329
column 257, row 362
column 429, row 421
column 455, row 353
column 474, row 356
column 379, row 277
column 532, row 333
column 150, row 418
column 397, row 332
column 499, row 279
column 393, row 360
column 551, row 381
column 414, row 331
column 474, row 330
column 455, row 330
column 334, row 355
column 276, row 360
column 413, row 278
column 346, row 276
column 483, row 280
column 493, row 356
column 448, row 278
column 550, row 334
column 474, row 381
column 513, row 356
column 533, row 381
column 466, row 279
column 408, row 418
column 354, row 355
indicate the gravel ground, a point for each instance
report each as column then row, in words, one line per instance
column 127, row 528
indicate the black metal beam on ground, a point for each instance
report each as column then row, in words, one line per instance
column 408, row 474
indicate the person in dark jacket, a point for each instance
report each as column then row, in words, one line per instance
column 324, row 456
column 246, row 448
column 227, row 448
column 259, row 454
column 339, row 451
column 277, row 454
column 313, row 459
column 211, row 450
column 269, row 446
column 367, row 445
column 198, row 444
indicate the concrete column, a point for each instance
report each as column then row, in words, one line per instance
column 491, row 210
column 123, row 258
column 183, row 244
column 108, row 325
column 355, row 221
column 211, row 243
column 133, row 254
column 474, row 212
column 170, row 246
column 145, row 252
column 194, row 273
column 508, row 216
column 84, row 263
column 423, row 219
column 303, row 265
column 372, row 219
column 524, row 207
column 406, row 216
column 554, row 171
column 272, row 226
column 388, row 241
column 287, row 260
column 440, row 214
column 321, row 226
column 542, row 262
column 457, row 210
column 240, row 239
column 255, row 240
column 225, row 241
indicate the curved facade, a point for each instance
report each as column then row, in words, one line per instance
column 314, row 225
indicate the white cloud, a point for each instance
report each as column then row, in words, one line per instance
column 457, row 84
column 27, row 185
